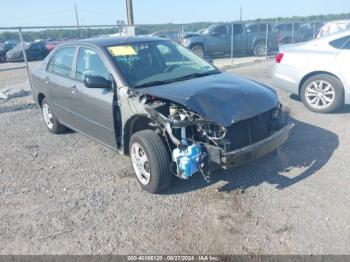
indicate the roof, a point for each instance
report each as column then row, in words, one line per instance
column 335, row 35
column 110, row 41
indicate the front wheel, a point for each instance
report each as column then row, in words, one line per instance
column 322, row 93
column 198, row 50
column 150, row 160
column 260, row 49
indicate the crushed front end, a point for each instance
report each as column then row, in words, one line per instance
column 196, row 144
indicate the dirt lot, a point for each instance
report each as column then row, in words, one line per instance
column 67, row 194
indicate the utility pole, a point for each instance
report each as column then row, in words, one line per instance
column 130, row 12
column 240, row 13
column 77, row 18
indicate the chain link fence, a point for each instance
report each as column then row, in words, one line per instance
column 22, row 47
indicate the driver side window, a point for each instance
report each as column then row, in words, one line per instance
column 221, row 30
column 90, row 63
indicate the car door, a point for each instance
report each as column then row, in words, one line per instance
column 59, row 84
column 218, row 40
column 93, row 107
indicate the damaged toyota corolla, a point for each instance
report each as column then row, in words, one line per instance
column 170, row 110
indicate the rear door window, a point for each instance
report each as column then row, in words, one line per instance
column 61, row 62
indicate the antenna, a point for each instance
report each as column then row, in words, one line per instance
column 77, row 19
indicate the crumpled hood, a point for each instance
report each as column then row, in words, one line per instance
column 221, row 98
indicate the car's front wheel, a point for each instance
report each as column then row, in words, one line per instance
column 150, row 160
column 198, row 50
column 50, row 120
column 322, row 93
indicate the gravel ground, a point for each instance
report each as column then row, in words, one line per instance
column 67, row 194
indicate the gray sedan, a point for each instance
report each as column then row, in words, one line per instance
column 150, row 98
column 317, row 70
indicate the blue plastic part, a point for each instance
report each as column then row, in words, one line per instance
column 187, row 160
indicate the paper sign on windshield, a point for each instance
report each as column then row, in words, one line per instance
column 122, row 50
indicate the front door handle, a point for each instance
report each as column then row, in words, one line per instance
column 74, row 89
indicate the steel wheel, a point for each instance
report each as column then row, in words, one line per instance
column 319, row 94
column 140, row 163
column 48, row 117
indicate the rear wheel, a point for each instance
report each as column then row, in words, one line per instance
column 150, row 160
column 260, row 49
column 50, row 120
column 322, row 93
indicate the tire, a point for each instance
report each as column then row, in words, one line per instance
column 152, row 172
column 330, row 94
column 198, row 50
column 50, row 120
column 259, row 49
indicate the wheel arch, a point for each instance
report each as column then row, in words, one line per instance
column 133, row 125
column 41, row 97
column 197, row 43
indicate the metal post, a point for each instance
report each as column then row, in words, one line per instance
column 129, row 12
column 293, row 33
column 25, row 56
column 182, row 35
column 77, row 20
column 266, row 40
column 232, row 27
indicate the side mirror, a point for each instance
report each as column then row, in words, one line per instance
column 97, row 82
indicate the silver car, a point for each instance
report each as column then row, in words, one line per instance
column 318, row 71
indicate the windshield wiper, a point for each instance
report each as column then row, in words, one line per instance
column 186, row 77
column 154, row 83
column 196, row 75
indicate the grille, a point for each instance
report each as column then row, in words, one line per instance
column 247, row 132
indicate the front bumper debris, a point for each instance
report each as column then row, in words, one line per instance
column 243, row 155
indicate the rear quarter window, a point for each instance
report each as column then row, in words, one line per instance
column 341, row 43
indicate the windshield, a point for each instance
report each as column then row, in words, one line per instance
column 208, row 30
column 158, row 62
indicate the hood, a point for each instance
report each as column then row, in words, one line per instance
column 188, row 35
column 221, row 98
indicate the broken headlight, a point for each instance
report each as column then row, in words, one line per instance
column 213, row 132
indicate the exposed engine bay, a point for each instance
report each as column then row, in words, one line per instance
column 195, row 144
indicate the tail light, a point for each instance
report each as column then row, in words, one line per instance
column 279, row 57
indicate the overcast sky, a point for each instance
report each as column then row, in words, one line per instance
column 61, row 12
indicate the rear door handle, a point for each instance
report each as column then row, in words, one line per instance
column 74, row 89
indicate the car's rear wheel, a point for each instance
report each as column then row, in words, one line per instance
column 150, row 160
column 260, row 49
column 322, row 93
column 51, row 121
column 198, row 50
